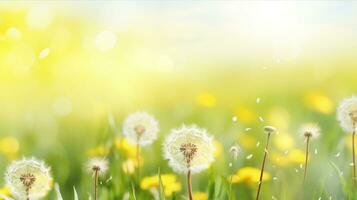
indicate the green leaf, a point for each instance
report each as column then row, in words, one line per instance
column 161, row 187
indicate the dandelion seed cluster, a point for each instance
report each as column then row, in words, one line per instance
column 28, row 178
column 311, row 130
column 98, row 164
column 141, row 128
column 189, row 148
column 347, row 114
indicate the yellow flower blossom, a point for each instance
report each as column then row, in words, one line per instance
column 9, row 146
column 279, row 117
column 199, row 196
column 284, row 142
column 129, row 166
column 319, row 102
column 5, row 191
column 293, row 157
column 245, row 115
column 247, row 141
column 127, row 148
column 206, row 100
column 169, row 183
column 249, row 176
column 98, row 151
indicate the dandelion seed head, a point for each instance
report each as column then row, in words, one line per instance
column 189, row 148
column 235, row 150
column 98, row 164
column 28, row 174
column 270, row 129
column 311, row 130
column 141, row 128
column 347, row 113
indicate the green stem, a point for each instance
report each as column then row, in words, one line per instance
column 263, row 166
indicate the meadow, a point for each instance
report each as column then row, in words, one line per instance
column 72, row 72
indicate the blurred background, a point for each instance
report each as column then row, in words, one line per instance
column 71, row 71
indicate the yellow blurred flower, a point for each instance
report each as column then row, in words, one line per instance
column 319, row 102
column 247, row 141
column 5, row 191
column 129, row 166
column 279, row 117
column 206, row 99
column 293, row 157
column 9, row 146
column 169, row 183
column 126, row 147
column 249, row 176
column 218, row 148
column 284, row 142
column 245, row 115
column 199, row 196
column 98, row 151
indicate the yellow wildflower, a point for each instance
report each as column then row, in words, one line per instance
column 284, row 142
column 206, row 100
column 126, row 147
column 9, row 146
column 199, row 196
column 129, row 166
column 169, row 183
column 294, row 157
column 249, row 176
column 247, row 141
column 319, row 102
column 98, row 151
column 245, row 115
column 279, row 117
column 5, row 191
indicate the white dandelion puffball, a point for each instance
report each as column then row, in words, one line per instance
column 189, row 148
column 99, row 165
column 270, row 129
column 28, row 176
column 141, row 128
column 347, row 113
column 311, row 130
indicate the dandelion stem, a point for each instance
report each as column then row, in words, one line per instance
column 96, row 184
column 307, row 155
column 353, row 154
column 230, row 187
column 189, row 187
column 27, row 193
column 138, row 158
column 263, row 165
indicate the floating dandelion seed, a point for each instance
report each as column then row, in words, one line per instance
column 97, row 166
column 261, row 119
column 250, row 156
column 234, row 118
column 268, row 130
column 248, row 129
column 309, row 131
column 189, row 149
column 235, row 150
column 28, row 178
column 141, row 129
column 258, row 100
column 347, row 115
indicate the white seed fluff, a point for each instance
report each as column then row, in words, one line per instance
column 141, row 128
column 189, row 148
column 347, row 113
column 28, row 167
